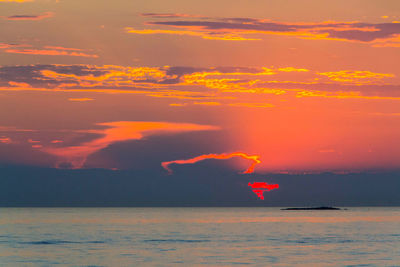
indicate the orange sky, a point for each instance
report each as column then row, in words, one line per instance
column 305, row 85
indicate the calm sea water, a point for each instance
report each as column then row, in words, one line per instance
column 199, row 236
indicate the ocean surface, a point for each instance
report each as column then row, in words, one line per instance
column 199, row 236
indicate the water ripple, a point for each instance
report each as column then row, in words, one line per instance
column 177, row 240
column 58, row 242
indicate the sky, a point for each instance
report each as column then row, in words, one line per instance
column 275, row 86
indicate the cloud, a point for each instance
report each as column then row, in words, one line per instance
column 342, row 95
column 169, row 15
column 18, row 1
column 291, row 69
column 85, row 99
column 207, row 103
column 44, row 51
column 178, row 104
column 49, row 52
column 257, row 187
column 260, row 187
column 31, row 17
column 75, row 156
column 6, row 46
column 254, row 158
column 359, row 77
column 384, row 34
column 225, row 37
column 232, row 86
column 13, row 129
column 5, row 140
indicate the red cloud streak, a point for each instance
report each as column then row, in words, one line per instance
column 250, row 169
column 260, row 187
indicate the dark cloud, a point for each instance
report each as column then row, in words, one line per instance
column 32, row 75
column 157, row 80
column 191, row 186
column 354, row 31
column 31, row 17
column 22, row 17
column 384, row 30
column 159, row 148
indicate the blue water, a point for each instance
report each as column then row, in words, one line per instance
column 199, row 236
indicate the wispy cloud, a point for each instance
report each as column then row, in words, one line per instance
column 44, row 51
column 358, row 77
column 377, row 34
column 170, row 15
column 75, row 156
column 254, row 158
column 17, row 1
column 207, row 103
column 31, row 17
column 5, row 140
column 204, row 35
column 85, row 99
column 49, row 52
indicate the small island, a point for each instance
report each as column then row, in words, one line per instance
column 313, row 208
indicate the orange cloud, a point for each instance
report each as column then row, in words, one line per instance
column 255, row 160
column 342, row 95
column 291, row 69
column 178, row 104
column 112, row 76
column 62, row 48
column 240, row 28
column 80, row 99
column 17, row 84
column 5, row 46
column 5, row 140
column 49, row 52
column 394, row 42
column 18, row 1
column 204, row 35
column 205, row 85
column 207, row 103
column 13, row 129
column 359, row 77
column 119, row 131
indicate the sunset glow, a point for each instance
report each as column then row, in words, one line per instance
column 212, row 133
column 250, row 169
column 305, row 89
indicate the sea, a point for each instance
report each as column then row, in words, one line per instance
column 367, row 236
